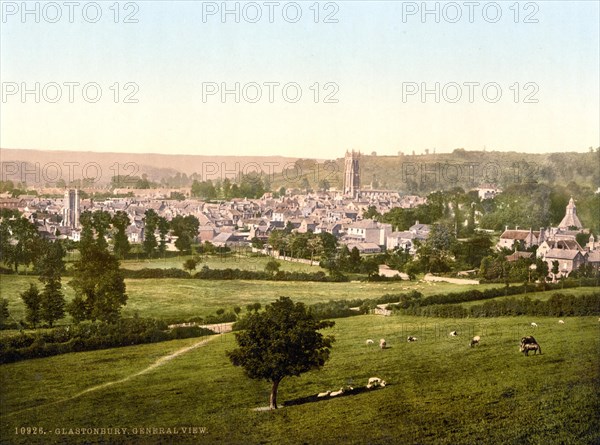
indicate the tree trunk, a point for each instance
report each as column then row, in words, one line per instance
column 273, row 398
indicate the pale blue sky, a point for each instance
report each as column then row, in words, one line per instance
column 369, row 54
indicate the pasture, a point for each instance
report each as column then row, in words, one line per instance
column 440, row 391
column 182, row 299
column 231, row 261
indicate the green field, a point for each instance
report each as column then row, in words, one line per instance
column 440, row 391
column 186, row 298
column 233, row 261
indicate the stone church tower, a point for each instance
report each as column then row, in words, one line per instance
column 351, row 173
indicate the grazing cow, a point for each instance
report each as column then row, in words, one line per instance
column 369, row 342
column 475, row 341
column 561, row 322
column 529, row 340
column 534, row 325
column 336, row 393
column 411, row 339
column 453, row 334
column 324, row 394
column 525, row 348
column 382, row 343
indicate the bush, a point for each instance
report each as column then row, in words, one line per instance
column 237, row 274
column 558, row 305
column 90, row 336
column 155, row 273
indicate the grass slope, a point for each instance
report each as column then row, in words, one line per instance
column 441, row 391
column 187, row 298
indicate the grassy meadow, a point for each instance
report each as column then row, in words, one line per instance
column 440, row 391
column 182, row 299
column 232, row 261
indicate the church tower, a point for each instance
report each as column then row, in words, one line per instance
column 351, row 173
column 71, row 209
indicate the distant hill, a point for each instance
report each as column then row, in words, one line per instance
column 421, row 174
column 38, row 167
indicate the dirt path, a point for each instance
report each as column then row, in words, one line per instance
column 160, row 362
column 433, row 278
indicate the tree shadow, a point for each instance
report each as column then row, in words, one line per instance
column 314, row 398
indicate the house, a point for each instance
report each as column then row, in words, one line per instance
column 516, row 255
column 135, row 234
column 333, row 228
column 364, row 247
column 401, row 241
column 563, row 244
column 369, row 231
column 568, row 260
column 307, row 225
column 524, row 238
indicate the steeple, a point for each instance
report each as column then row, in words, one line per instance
column 570, row 219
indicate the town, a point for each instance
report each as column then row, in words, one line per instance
column 354, row 217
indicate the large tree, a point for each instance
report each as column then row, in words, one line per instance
column 18, row 240
column 98, row 282
column 151, row 220
column 185, row 228
column 282, row 341
column 32, row 299
column 120, row 223
column 50, row 266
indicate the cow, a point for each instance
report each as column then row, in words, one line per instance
column 382, row 343
column 534, row 325
column 525, row 348
column 453, row 334
column 561, row 322
column 475, row 341
column 529, row 340
column 411, row 339
column 369, row 342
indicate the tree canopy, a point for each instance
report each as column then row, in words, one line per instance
column 282, row 341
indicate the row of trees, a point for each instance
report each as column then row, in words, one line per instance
column 185, row 228
column 303, row 245
column 248, row 186
column 97, row 280
column 558, row 305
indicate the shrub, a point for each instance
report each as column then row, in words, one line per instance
column 90, row 336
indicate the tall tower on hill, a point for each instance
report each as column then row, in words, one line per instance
column 71, row 209
column 351, row 173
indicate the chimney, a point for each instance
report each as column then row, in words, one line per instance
column 505, row 228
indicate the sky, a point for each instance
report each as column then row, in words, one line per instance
column 300, row 79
